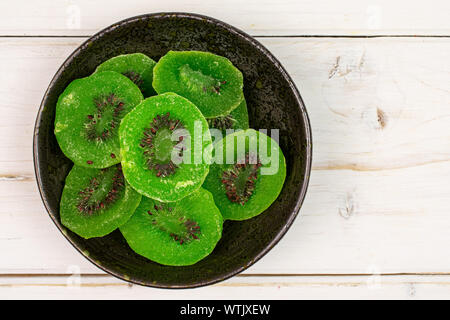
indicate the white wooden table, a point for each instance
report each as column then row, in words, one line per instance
column 375, row 77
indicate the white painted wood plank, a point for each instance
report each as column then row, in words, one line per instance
column 385, row 105
column 352, row 222
column 238, row 288
column 378, row 197
column 260, row 17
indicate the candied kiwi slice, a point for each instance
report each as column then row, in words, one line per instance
column 247, row 184
column 163, row 142
column 88, row 116
column 210, row 81
column 177, row 233
column 236, row 120
column 95, row 202
column 136, row 66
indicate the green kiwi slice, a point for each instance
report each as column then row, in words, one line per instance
column 210, row 81
column 177, row 234
column 237, row 119
column 88, row 115
column 163, row 143
column 249, row 179
column 135, row 66
column 95, row 202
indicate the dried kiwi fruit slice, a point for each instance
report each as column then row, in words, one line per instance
column 237, row 119
column 88, row 115
column 163, row 142
column 135, row 66
column 177, row 234
column 249, row 181
column 95, row 202
column 211, row 82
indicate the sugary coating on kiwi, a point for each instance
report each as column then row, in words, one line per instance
column 236, row 120
column 88, row 115
column 136, row 66
column 210, row 81
column 147, row 145
column 239, row 188
column 95, row 202
column 176, row 233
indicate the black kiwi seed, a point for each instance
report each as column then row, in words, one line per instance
column 239, row 181
column 187, row 229
column 221, row 123
column 135, row 77
column 103, row 124
column 214, row 86
column 163, row 167
column 94, row 197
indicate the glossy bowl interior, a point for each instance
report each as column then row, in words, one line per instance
column 273, row 102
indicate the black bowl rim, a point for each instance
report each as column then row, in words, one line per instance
column 263, row 50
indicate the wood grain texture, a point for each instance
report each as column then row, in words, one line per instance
column 378, row 196
column 282, row 288
column 257, row 17
column 375, row 104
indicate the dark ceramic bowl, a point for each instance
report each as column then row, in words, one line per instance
column 273, row 102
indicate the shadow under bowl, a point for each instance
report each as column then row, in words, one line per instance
column 273, row 103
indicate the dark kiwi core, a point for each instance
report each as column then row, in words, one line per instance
column 239, row 181
column 135, row 77
column 199, row 81
column 172, row 221
column 221, row 123
column 158, row 144
column 103, row 190
column 104, row 121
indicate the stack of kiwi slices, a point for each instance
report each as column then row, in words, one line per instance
column 140, row 134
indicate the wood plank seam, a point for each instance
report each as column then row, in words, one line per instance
column 343, row 36
column 245, row 275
